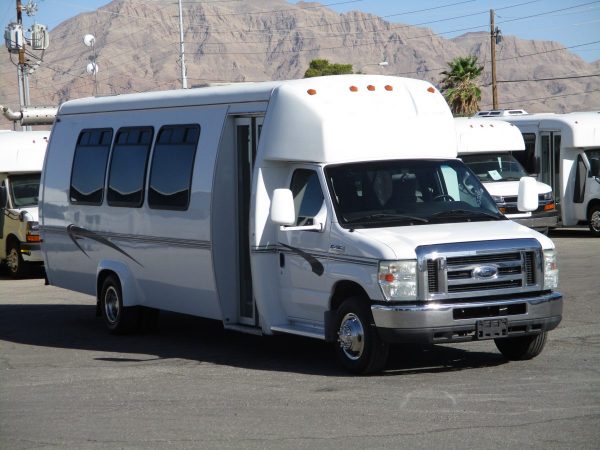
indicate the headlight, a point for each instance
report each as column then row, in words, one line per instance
column 498, row 198
column 398, row 280
column 32, row 232
column 546, row 197
column 550, row 270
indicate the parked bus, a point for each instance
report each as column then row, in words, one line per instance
column 333, row 208
column 488, row 147
column 21, row 159
column 564, row 151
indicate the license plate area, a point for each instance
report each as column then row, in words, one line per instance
column 492, row 328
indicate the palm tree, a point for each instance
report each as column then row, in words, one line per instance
column 460, row 87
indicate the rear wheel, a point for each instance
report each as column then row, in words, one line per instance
column 522, row 347
column 359, row 347
column 14, row 261
column 118, row 319
column 594, row 220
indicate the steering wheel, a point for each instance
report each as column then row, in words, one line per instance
column 443, row 197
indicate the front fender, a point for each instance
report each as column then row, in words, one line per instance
column 129, row 289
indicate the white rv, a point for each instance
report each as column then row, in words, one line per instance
column 564, row 150
column 487, row 148
column 21, row 159
column 333, row 208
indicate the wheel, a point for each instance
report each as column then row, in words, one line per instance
column 16, row 266
column 443, row 197
column 359, row 347
column 523, row 347
column 594, row 220
column 118, row 319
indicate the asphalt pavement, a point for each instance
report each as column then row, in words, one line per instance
column 66, row 383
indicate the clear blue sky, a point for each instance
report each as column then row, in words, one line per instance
column 572, row 23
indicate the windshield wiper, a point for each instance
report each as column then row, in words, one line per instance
column 387, row 216
column 459, row 213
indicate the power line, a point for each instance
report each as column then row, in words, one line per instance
column 547, row 79
column 524, row 100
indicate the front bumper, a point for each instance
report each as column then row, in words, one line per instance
column 31, row 252
column 457, row 322
column 537, row 221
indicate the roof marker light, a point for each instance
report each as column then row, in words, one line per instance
column 389, row 88
column 311, row 92
column 371, row 87
column 353, row 89
column 431, row 89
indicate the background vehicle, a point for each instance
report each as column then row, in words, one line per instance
column 487, row 148
column 21, row 159
column 564, row 151
column 333, row 208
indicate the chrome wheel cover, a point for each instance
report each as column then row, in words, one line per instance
column 595, row 221
column 12, row 260
column 351, row 336
column 111, row 305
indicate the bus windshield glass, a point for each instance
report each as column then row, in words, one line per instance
column 407, row 192
column 25, row 190
column 495, row 167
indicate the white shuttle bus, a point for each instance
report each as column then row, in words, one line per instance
column 564, row 150
column 488, row 147
column 333, row 208
column 21, row 159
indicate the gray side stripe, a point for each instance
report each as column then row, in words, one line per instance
column 174, row 242
column 319, row 255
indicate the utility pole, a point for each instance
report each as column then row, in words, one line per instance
column 21, row 71
column 182, row 49
column 17, row 42
column 495, row 38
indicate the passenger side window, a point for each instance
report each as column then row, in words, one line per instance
column 128, row 162
column 308, row 196
column 89, row 166
column 172, row 167
column 527, row 157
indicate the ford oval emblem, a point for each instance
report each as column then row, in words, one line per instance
column 485, row 272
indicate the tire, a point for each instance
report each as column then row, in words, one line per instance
column 594, row 220
column 14, row 261
column 358, row 346
column 118, row 319
column 523, row 347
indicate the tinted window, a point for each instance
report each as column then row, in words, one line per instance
column 128, row 166
column 527, row 157
column 308, row 196
column 172, row 166
column 89, row 166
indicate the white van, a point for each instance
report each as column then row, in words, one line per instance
column 564, row 150
column 487, row 148
column 333, row 208
column 21, row 159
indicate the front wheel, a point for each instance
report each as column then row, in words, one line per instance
column 14, row 261
column 359, row 347
column 118, row 319
column 522, row 347
column 594, row 220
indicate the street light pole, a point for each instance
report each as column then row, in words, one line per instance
column 380, row 64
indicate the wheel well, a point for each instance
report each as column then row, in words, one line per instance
column 344, row 290
column 593, row 203
column 10, row 239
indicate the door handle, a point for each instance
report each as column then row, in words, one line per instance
column 281, row 260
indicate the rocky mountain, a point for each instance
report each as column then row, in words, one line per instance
column 137, row 49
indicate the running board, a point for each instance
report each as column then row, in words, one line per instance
column 300, row 330
column 244, row 329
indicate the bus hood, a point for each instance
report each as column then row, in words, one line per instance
column 403, row 241
column 511, row 188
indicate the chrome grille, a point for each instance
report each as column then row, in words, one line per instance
column 479, row 268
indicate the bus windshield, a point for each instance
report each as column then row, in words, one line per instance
column 495, row 167
column 25, row 190
column 407, row 192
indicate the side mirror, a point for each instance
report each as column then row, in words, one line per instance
column 282, row 207
column 3, row 197
column 528, row 195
